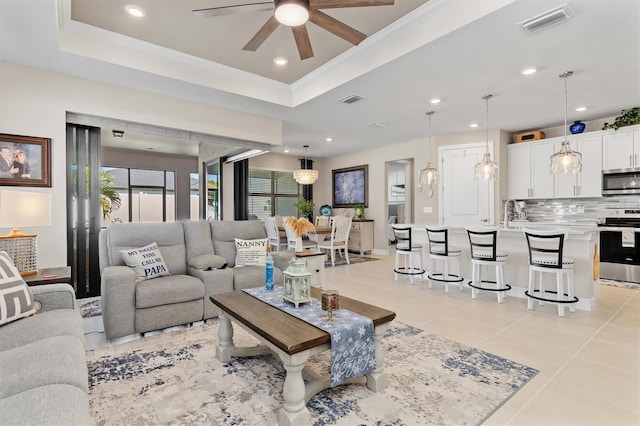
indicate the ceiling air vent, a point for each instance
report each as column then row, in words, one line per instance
column 378, row 125
column 351, row 99
column 553, row 16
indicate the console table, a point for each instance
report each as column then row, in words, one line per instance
column 361, row 236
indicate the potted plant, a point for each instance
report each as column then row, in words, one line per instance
column 306, row 207
column 359, row 211
column 626, row 118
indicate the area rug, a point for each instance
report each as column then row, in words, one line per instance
column 353, row 258
column 175, row 378
column 621, row 284
column 89, row 307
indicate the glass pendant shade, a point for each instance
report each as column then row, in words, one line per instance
column 566, row 160
column 429, row 175
column 305, row 176
column 486, row 169
column 292, row 12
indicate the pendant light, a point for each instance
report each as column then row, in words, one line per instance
column 305, row 176
column 429, row 175
column 566, row 160
column 486, row 169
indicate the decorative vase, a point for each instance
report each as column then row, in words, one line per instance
column 577, row 127
column 299, row 246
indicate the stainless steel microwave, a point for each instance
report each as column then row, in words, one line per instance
column 625, row 181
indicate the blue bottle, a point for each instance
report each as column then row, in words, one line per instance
column 269, row 271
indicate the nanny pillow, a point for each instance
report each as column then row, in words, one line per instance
column 251, row 252
column 147, row 262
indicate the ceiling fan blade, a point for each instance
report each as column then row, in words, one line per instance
column 331, row 4
column 262, row 34
column 234, row 9
column 336, row 27
column 302, row 41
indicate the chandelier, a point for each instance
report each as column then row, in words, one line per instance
column 429, row 175
column 486, row 169
column 566, row 160
column 305, row 176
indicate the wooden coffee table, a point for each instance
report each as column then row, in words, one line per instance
column 294, row 341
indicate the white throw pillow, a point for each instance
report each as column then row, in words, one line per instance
column 147, row 262
column 251, row 252
column 16, row 300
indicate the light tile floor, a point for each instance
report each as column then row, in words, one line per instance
column 589, row 362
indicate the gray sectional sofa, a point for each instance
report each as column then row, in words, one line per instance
column 43, row 368
column 200, row 256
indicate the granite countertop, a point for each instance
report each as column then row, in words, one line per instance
column 574, row 230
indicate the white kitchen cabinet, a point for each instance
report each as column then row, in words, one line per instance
column 361, row 236
column 587, row 183
column 621, row 148
column 529, row 175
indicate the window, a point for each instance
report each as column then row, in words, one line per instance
column 272, row 193
column 145, row 195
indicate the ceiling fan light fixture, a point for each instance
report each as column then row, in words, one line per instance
column 292, row 13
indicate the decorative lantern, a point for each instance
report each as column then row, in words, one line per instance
column 297, row 282
column 330, row 302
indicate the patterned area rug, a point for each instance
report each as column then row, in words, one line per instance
column 175, row 378
column 621, row 284
column 90, row 307
column 353, row 258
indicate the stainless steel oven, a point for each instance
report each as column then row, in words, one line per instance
column 620, row 245
column 617, row 182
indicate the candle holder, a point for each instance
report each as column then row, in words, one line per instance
column 330, row 302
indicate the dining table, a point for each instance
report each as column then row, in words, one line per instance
column 319, row 235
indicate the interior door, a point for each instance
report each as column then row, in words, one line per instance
column 465, row 200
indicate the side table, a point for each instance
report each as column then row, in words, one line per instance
column 50, row 276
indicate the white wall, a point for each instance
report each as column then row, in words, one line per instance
column 35, row 103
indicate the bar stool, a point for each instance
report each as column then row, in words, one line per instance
column 484, row 252
column 546, row 256
column 406, row 248
column 439, row 249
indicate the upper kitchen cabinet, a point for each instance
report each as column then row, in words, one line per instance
column 587, row 183
column 621, row 148
column 529, row 175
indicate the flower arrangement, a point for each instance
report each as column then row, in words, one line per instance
column 300, row 226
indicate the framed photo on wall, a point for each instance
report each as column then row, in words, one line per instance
column 350, row 186
column 25, row 161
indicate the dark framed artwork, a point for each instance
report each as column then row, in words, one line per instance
column 25, row 161
column 351, row 186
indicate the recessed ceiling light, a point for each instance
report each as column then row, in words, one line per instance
column 581, row 108
column 280, row 61
column 528, row 71
column 474, row 125
column 435, row 101
column 329, row 139
column 286, row 150
column 136, row 11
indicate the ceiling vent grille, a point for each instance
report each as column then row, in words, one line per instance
column 378, row 125
column 351, row 99
column 551, row 17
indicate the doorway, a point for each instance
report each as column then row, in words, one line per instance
column 465, row 201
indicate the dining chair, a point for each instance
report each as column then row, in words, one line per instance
column 323, row 221
column 340, row 228
column 292, row 239
column 275, row 240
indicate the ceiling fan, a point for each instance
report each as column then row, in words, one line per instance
column 294, row 13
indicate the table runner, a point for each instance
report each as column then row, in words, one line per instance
column 353, row 351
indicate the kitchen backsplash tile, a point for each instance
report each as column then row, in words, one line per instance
column 574, row 210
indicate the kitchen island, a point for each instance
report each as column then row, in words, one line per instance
column 581, row 245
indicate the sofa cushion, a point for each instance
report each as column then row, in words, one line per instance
column 56, row 360
column 251, row 252
column 168, row 290
column 57, row 322
column 147, row 262
column 15, row 296
column 47, row 406
column 205, row 262
column 168, row 235
column 224, row 233
column 197, row 235
column 252, row 276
